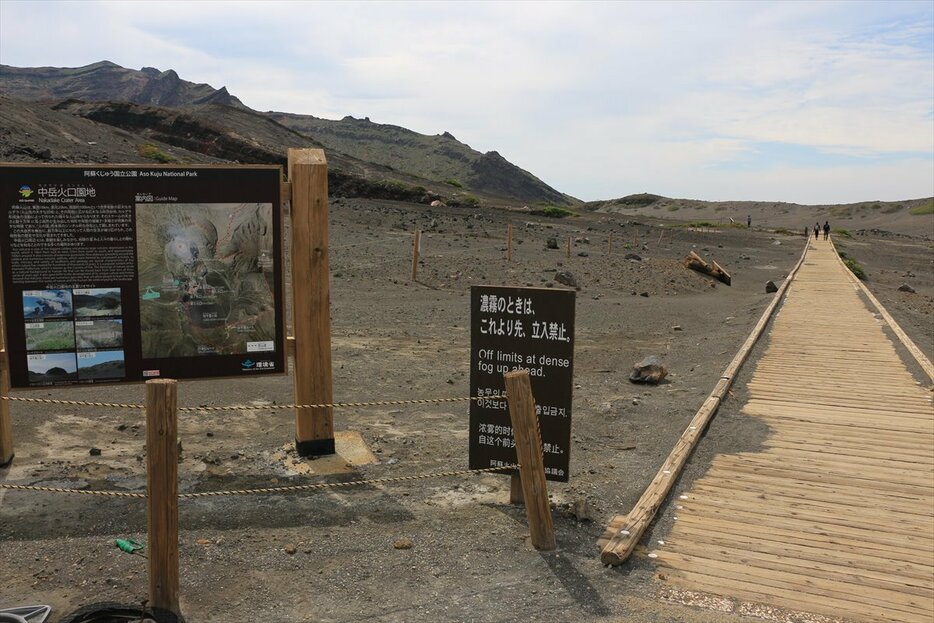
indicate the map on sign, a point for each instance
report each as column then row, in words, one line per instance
column 206, row 278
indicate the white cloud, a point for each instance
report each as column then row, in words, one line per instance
column 597, row 99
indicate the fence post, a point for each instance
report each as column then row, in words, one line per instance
column 416, row 244
column 6, row 422
column 162, row 488
column 531, row 462
column 311, row 300
column 509, row 242
column 609, row 244
column 569, row 246
column 515, row 490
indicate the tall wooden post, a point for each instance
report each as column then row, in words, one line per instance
column 569, row 246
column 609, row 244
column 311, row 300
column 162, row 486
column 531, row 461
column 509, row 243
column 6, row 421
column 416, row 245
column 515, row 490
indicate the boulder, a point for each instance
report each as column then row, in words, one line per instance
column 633, row 256
column 770, row 286
column 649, row 370
column 552, row 243
column 906, row 288
column 566, row 278
column 437, row 203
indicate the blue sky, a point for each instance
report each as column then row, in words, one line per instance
column 809, row 102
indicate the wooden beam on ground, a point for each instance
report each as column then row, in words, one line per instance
column 162, row 487
column 696, row 262
column 624, row 531
column 531, row 460
column 311, row 300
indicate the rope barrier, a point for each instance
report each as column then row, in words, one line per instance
column 332, row 405
column 262, row 490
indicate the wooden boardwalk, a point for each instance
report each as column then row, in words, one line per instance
column 835, row 516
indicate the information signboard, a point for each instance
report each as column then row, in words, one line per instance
column 530, row 328
column 126, row 273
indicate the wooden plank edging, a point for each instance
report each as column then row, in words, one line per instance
column 919, row 356
column 625, row 531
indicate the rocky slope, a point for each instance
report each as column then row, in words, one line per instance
column 374, row 159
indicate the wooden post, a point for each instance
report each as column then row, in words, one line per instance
column 6, row 421
column 609, row 244
column 509, row 243
column 515, row 490
column 162, row 479
column 569, row 246
column 531, row 461
column 311, row 300
column 416, row 244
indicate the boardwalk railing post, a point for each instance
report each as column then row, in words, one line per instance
column 311, row 300
column 416, row 247
column 531, row 461
column 162, row 487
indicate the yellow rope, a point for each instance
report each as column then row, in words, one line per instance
column 263, row 490
column 332, row 405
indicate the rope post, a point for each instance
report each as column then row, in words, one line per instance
column 509, row 242
column 515, row 490
column 6, row 422
column 416, row 245
column 311, row 298
column 531, row 461
column 162, row 488
column 609, row 244
column 569, row 246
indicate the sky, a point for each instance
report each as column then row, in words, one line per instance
column 805, row 102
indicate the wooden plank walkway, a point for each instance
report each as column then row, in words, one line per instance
column 836, row 515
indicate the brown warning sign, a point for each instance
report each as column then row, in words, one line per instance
column 533, row 329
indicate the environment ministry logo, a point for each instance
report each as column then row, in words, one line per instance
column 248, row 364
column 25, row 191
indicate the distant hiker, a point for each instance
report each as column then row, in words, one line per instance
column 816, row 231
column 749, row 221
column 826, row 229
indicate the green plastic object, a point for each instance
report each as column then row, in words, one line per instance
column 130, row 546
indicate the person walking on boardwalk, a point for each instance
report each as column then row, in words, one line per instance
column 826, row 229
column 816, row 231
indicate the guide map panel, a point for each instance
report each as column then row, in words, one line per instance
column 126, row 273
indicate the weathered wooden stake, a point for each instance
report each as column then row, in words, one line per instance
column 515, row 490
column 311, row 300
column 509, row 243
column 569, row 246
column 609, row 244
column 162, row 487
column 6, row 421
column 531, row 461
column 416, row 244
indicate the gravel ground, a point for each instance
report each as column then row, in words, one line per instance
column 340, row 555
